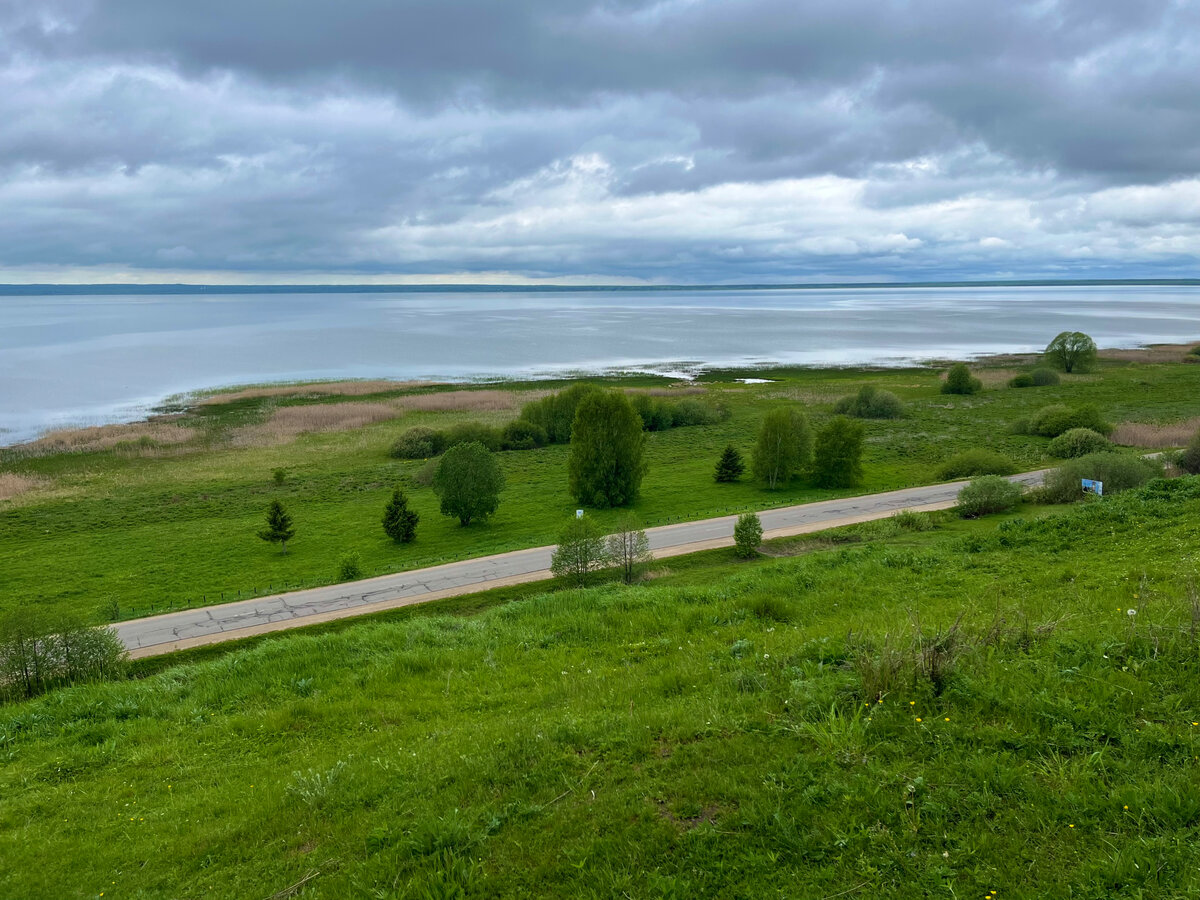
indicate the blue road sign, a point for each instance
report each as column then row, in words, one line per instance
column 1093, row 487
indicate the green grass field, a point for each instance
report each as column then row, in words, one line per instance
column 806, row 726
column 138, row 529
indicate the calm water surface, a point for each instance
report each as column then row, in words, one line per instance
column 89, row 359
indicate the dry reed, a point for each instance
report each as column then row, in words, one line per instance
column 13, row 485
column 134, row 436
column 319, row 389
column 1157, row 437
column 289, row 422
column 675, row 390
column 460, row 401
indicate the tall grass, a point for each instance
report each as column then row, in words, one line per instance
column 134, row 436
column 1153, row 436
column 286, row 423
column 310, row 390
column 13, row 484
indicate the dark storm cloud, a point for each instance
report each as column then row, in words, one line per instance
column 447, row 135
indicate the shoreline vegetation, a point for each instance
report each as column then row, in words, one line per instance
column 116, row 522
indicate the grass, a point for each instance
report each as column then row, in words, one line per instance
column 143, row 526
column 918, row 707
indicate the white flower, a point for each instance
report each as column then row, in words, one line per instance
column 1131, row 612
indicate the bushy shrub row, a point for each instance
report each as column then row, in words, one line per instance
column 969, row 463
column 1118, row 471
column 39, row 652
column 870, row 403
column 1051, row 421
column 1036, row 378
column 549, row 421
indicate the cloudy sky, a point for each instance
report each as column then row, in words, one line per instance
column 578, row 140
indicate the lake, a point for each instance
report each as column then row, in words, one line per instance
column 85, row 359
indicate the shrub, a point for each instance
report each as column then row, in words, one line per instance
column 654, row 413
column 40, row 651
column 607, row 458
column 1078, row 442
column 628, row 547
column 468, row 480
column 1044, row 377
column 522, row 435
column 581, row 550
column 556, row 413
column 1117, row 471
column 424, row 476
column 693, row 412
column 870, row 403
column 399, row 522
column 350, row 567
column 837, row 453
column 784, row 446
column 730, row 466
column 987, row 494
column 279, row 476
column 747, row 535
column 959, row 380
column 1189, row 459
column 473, row 433
column 419, row 443
column 1051, row 421
column 1071, row 351
column 969, row 463
column 1023, row 380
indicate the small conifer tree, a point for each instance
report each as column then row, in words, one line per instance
column 399, row 522
column 730, row 466
column 279, row 528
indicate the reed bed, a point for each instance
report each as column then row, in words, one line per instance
column 675, row 390
column 143, row 437
column 461, row 401
column 14, row 485
column 320, row 389
column 289, row 422
column 1144, row 434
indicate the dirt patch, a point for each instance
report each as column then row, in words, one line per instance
column 1143, row 434
column 707, row 815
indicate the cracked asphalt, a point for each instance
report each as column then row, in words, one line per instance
column 194, row 627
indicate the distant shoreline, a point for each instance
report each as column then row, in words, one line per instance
column 35, row 290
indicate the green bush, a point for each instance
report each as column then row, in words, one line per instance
column 837, row 453
column 969, row 463
column 522, row 435
column 730, row 466
column 40, row 651
column 556, row 412
column 1189, row 459
column 1023, row 380
column 987, row 494
column 608, row 451
column 1044, row 377
column 959, row 380
column 1071, row 351
column 473, row 433
column 1118, row 471
column 747, row 535
column 656, row 414
column 468, row 482
column 1051, row 421
column 350, row 567
column 690, row 411
column 419, row 443
column 870, row 403
column 1078, row 442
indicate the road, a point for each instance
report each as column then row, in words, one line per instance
column 165, row 633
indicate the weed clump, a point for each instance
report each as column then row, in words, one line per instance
column 988, row 494
column 870, row 403
column 969, row 463
column 1078, row 442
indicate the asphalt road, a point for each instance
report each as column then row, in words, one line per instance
column 211, row 624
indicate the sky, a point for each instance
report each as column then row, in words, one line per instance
column 686, row 141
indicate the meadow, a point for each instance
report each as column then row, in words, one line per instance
column 115, row 522
column 922, row 706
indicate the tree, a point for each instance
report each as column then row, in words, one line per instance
column 784, row 446
column 730, row 466
column 279, row 528
column 1071, row 351
column 580, row 551
column 837, row 456
column 747, row 535
column 628, row 547
column 468, row 480
column 960, row 381
column 606, row 463
column 400, row 522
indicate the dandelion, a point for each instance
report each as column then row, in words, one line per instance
column 947, row 718
column 1127, row 806
column 918, row 718
column 912, row 702
column 1131, row 612
column 1070, row 826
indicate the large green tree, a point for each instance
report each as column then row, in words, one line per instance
column 837, row 455
column 279, row 528
column 784, row 446
column 1071, row 351
column 607, row 459
column 468, row 480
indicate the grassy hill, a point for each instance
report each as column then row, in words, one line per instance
column 967, row 710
